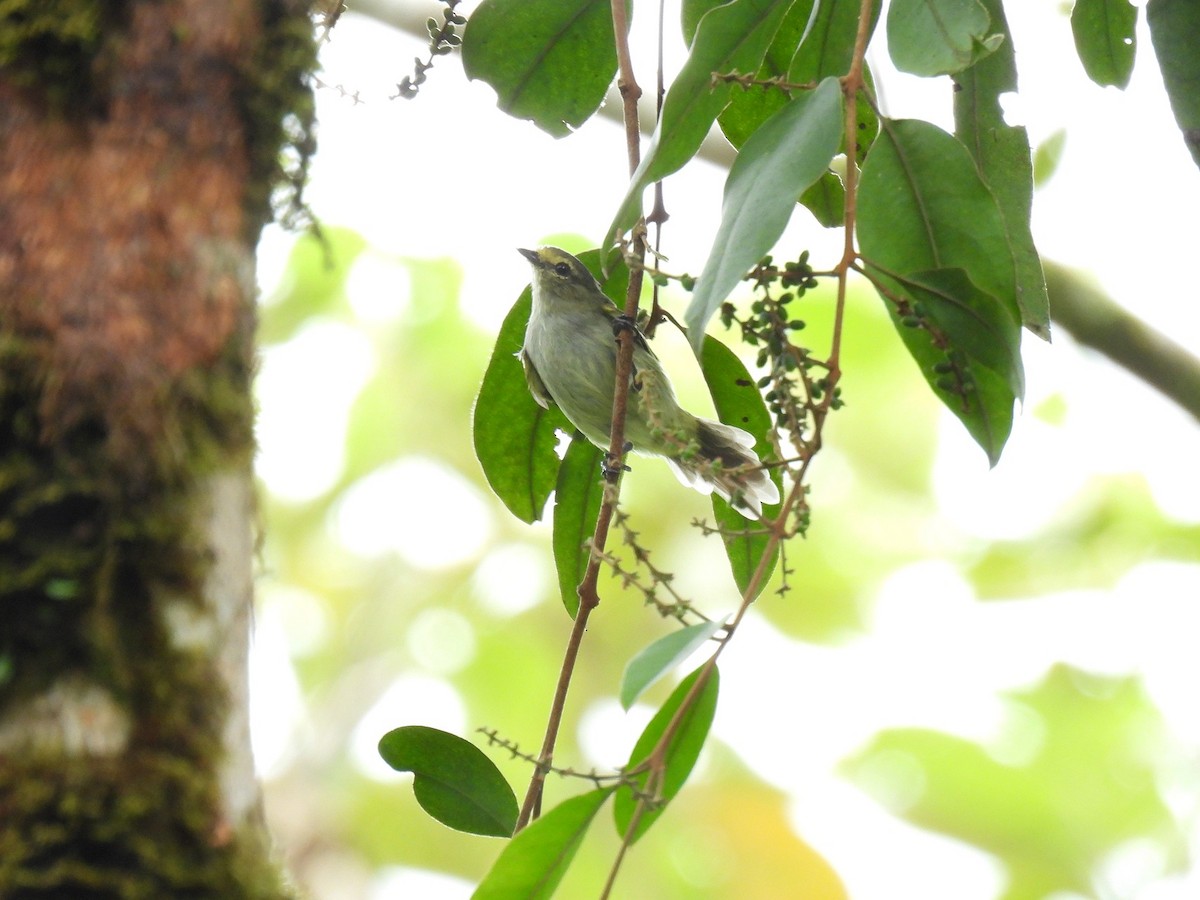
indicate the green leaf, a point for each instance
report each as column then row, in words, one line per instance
column 975, row 322
column 828, row 47
column 738, row 402
column 534, row 862
column 656, row 660
column 812, row 43
column 749, row 108
column 514, row 437
column 548, row 60
column 577, row 499
column 1105, row 40
column 828, row 32
column 730, row 38
column 690, row 14
column 745, row 542
column 866, row 120
column 453, row 780
column 826, row 200
column 1001, row 152
column 923, row 206
column 681, row 754
column 778, row 163
column 1047, row 156
column 966, row 345
column 937, row 37
column 1175, row 34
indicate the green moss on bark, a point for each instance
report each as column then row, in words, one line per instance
column 50, row 45
column 280, row 114
column 88, row 569
column 81, row 549
column 101, row 536
column 138, row 828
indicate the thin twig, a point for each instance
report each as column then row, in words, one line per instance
column 852, row 83
column 589, row 597
column 646, row 797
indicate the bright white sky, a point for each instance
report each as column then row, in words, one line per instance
column 448, row 175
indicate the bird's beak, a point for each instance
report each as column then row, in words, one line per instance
column 531, row 255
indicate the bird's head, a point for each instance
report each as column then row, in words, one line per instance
column 558, row 274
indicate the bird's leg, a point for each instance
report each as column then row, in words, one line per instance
column 611, row 467
column 624, row 323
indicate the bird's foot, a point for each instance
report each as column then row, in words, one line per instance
column 611, row 466
column 623, row 323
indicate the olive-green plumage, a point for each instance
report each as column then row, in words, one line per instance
column 570, row 358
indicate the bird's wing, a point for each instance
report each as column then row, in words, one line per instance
column 536, row 386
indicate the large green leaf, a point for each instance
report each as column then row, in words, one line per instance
column 690, row 14
column 922, row 206
column 1105, row 39
column 738, row 402
column 777, row 164
column 1175, row 33
column 828, row 49
column 656, row 660
column 966, row 346
column 548, row 60
column 453, row 780
column 681, row 754
column 749, row 108
column 577, row 499
column 937, row 37
column 534, row 862
column 1001, row 152
column 974, row 322
column 730, row 38
column 814, row 41
column 514, row 437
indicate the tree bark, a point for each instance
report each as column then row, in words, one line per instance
column 138, row 141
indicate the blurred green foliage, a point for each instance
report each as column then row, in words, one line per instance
column 1091, row 783
column 1088, row 785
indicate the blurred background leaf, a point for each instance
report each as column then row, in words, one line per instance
column 1084, row 785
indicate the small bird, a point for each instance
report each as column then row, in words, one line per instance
column 570, row 358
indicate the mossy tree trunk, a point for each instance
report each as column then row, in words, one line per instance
column 139, row 141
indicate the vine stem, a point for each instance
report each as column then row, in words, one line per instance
column 655, row 763
column 852, row 85
column 589, row 597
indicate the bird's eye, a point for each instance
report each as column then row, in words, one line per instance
column 563, row 269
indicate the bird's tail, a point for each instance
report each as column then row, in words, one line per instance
column 726, row 463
